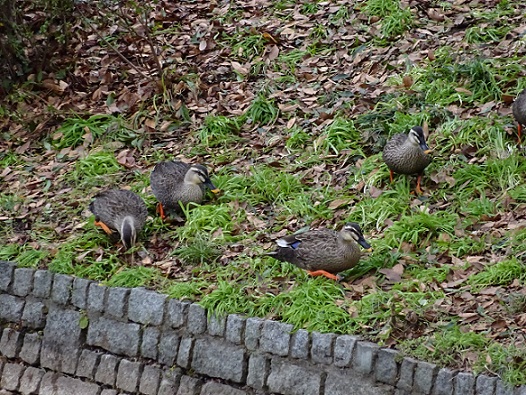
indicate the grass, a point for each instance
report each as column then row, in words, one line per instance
column 297, row 143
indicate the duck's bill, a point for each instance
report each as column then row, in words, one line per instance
column 212, row 187
column 428, row 151
column 365, row 245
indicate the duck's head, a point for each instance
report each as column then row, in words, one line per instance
column 351, row 231
column 128, row 233
column 417, row 138
column 197, row 174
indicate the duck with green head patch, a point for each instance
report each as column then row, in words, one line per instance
column 174, row 183
column 408, row 154
column 323, row 252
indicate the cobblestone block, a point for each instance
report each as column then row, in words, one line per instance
column 10, row 343
column 168, row 346
column 189, row 386
column 7, row 270
column 11, row 308
column 216, row 358
column 196, row 319
column 216, row 325
column 444, row 382
column 88, row 361
column 79, row 293
column 109, row 392
column 300, row 344
column 184, row 354
column 146, row 307
column 407, row 373
column 22, row 281
column 128, row 375
column 465, row 384
column 346, row 382
column 60, row 358
column 53, row 384
column 386, row 366
column 321, row 350
column 275, row 338
column 117, row 301
column 61, row 340
column 150, row 340
column 485, row 385
column 502, row 388
column 42, row 281
column 258, row 370
column 61, row 290
column 213, row 388
column 424, row 377
column 176, row 312
column 364, row 356
column 114, row 336
column 150, row 379
column 343, row 350
column 235, row 328
column 96, row 297
column 48, row 385
column 253, row 332
column 520, row 390
column 30, row 352
column 293, row 379
column 107, row 370
column 34, row 314
column 169, row 382
column 11, row 375
column 30, row 381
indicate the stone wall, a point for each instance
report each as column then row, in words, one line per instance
column 71, row 336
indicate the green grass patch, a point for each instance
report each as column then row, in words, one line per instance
column 501, row 273
column 451, row 338
column 262, row 111
column 420, row 228
column 219, row 131
column 394, row 19
column 92, row 169
column 75, row 131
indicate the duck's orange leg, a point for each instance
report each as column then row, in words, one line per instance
column 323, row 273
column 519, row 132
column 391, row 175
column 104, row 227
column 160, row 210
column 419, row 190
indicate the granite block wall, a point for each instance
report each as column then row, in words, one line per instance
column 64, row 335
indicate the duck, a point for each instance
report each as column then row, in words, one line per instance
column 121, row 211
column 519, row 113
column 323, row 252
column 174, row 183
column 408, row 154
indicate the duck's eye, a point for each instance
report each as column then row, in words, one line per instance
column 201, row 176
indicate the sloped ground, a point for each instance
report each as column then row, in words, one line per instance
column 290, row 104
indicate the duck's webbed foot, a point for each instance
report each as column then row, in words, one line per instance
column 104, row 227
column 324, row 273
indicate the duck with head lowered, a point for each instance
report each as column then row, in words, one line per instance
column 323, row 252
column 174, row 183
column 122, row 211
column 408, row 154
column 519, row 112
